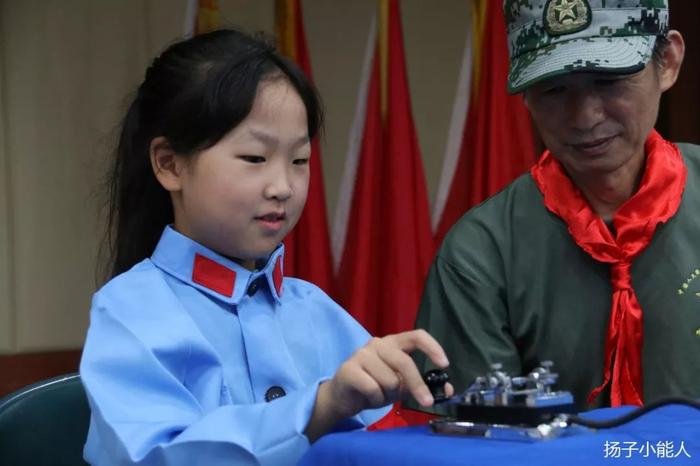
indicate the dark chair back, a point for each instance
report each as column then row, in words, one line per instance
column 45, row 423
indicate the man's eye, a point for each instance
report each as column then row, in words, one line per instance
column 554, row 90
column 301, row 161
column 252, row 158
column 607, row 82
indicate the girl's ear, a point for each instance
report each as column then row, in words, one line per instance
column 166, row 164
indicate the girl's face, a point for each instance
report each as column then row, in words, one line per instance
column 242, row 196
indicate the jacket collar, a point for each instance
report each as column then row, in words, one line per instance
column 212, row 273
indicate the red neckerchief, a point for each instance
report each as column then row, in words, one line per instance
column 656, row 201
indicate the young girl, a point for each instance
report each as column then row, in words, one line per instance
column 199, row 351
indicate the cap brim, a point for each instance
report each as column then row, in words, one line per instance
column 626, row 54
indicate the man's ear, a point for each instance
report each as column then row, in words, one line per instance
column 524, row 98
column 671, row 60
column 166, row 164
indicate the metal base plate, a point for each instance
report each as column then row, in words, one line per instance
column 555, row 429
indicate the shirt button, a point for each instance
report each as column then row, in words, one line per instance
column 253, row 288
column 274, row 392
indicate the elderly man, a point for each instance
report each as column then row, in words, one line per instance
column 591, row 260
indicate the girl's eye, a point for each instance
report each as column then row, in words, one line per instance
column 252, row 158
column 301, row 161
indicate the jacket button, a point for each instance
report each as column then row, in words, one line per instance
column 274, row 392
column 253, row 288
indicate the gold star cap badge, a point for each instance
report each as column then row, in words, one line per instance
column 566, row 16
column 549, row 38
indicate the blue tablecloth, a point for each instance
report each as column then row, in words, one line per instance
column 668, row 435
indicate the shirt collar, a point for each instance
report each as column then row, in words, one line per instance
column 212, row 273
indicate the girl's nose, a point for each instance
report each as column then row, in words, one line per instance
column 279, row 186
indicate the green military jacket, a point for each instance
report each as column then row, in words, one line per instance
column 509, row 285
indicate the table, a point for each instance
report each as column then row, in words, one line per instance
column 669, row 435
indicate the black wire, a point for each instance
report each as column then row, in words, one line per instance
column 573, row 419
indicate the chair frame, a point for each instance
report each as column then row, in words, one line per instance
column 17, row 395
column 52, row 439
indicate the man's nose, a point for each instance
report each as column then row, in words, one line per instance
column 585, row 110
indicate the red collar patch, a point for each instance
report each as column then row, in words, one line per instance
column 277, row 277
column 213, row 275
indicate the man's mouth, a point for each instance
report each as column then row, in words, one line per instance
column 595, row 146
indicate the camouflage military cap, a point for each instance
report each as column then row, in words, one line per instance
column 547, row 38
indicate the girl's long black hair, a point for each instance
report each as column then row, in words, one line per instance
column 194, row 93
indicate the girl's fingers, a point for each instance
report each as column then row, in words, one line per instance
column 370, row 389
column 356, row 378
column 421, row 340
column 386, row 377
column 401, row 363
column 382, row 371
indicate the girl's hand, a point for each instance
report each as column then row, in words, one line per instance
column 378, row 374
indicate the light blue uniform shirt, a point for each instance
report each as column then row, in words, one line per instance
column 183, row 348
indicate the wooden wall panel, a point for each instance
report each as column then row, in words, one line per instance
column 6, row 308
column 679, row 116
column 20, row 370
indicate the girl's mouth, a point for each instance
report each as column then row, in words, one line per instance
column 272, row 221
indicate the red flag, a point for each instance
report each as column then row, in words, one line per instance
column 497, row 141
column 307, row 246
column 388, row 245
column 202, row 16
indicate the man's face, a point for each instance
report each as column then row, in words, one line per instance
column 596, row 123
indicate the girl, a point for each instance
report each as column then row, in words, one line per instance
column 199, row 351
